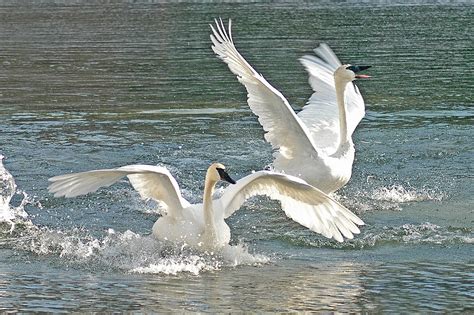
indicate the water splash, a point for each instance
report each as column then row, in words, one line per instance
column 391, row 197
column 8, row 189
column 171, row 266
column 400, row 194
column 11, row 216
column 131, row 252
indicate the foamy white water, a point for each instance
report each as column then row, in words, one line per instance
column 133, row 253
column 10, row 214
column 400, row 194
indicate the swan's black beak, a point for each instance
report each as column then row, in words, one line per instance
column 224, row 176
column 357, row 69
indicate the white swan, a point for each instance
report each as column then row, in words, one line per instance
column 202, row 225
column 316, row 143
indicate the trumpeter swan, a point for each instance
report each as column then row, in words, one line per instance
column 202, row 225
column 315, row 144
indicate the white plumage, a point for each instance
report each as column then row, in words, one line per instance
column 202, row 225
column 316, row 143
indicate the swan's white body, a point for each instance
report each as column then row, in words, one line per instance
column 202, row 225
column 316, row 143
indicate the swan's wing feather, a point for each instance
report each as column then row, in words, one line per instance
column 321, row 113
column 150, row 181
column 284, row 130
column 327, row 57
column 157, row 183
column 76, row 184
column 301, row 202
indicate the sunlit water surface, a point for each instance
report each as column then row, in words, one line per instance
column 103, row 85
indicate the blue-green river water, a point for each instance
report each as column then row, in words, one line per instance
column 99, row 84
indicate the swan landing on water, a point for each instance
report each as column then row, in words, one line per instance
column 315, row 144
column 202, row 226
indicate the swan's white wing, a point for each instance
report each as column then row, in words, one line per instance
column 301, row 202
column 284, row 130
column 150, row 181
column 321, row 113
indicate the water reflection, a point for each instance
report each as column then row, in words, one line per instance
column 344, row 287
column 418, row 286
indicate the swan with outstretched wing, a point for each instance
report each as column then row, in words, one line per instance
column 202, row 226
column 315, row 144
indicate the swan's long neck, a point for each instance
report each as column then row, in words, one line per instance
column 210, row 227
column 340, row 88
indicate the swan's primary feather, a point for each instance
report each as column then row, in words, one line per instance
column 76, row 184
column 150, row 181
column 265, row 101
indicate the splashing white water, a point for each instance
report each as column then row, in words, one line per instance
column 230, row 256
column 10, row 215
column 399, row 194
column 171, row 266
column 8, row 189
column 131, row 252
column 391, row 197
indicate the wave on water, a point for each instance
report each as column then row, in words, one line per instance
column 424, row 233
column 412, row 234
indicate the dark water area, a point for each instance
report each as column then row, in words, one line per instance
column 104, row 84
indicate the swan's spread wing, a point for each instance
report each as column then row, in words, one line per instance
column 284, row 129
column 157, row 183
column 150, row 181
column 321, row 113
column 301, row 202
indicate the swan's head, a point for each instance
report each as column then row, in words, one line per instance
column 216, row 172
column 348, row 73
